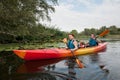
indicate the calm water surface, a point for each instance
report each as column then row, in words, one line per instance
column 13, row 68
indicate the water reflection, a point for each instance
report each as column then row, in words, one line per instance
column 38, row 66
column 94, row 70
column 95, row 59
column 46, row 68
column 51, row 67
column 37, row 70
column 71, row 63
column 49, row 70
column 99, row 67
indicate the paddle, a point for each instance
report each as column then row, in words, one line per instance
column 79, row 63
column 103, row 33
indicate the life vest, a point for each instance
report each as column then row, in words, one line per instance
column 93, row 42
column 70, row 44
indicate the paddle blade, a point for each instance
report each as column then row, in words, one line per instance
column 104, row 32
column 80, row 64
column 65, row 40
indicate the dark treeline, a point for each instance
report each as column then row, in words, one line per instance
column 114, row 32
column 40, row 34
column 20, row 22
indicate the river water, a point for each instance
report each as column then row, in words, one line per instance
column 13, row 68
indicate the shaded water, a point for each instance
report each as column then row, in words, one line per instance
column 13, row 68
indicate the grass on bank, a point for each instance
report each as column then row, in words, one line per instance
column 12, row 46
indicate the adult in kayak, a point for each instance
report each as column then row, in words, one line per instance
column 93, row 41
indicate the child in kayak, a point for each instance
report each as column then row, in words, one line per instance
column 81, row 45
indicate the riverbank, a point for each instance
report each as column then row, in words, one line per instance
column 12, row 46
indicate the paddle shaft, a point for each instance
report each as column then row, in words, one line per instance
column 80, row 65
column 74, row 55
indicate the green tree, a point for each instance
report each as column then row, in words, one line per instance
column 17, row 16
column 93, row 30
column 86, row 31
column 118, row 30
column 74, row 32
column 101, row 29
column 113, row 30
column 17, row 13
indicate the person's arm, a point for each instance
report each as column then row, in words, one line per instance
column 98, row 41
column 65, row 41
column 76, row 46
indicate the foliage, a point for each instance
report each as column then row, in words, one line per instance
column 19, row 20
column 114, row 30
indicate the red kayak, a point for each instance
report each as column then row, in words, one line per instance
column 52, row 53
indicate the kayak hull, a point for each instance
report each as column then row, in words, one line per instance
column 56, row 52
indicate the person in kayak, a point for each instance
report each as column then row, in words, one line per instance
column 81, row 44
column 93, row 41
column 72, row 43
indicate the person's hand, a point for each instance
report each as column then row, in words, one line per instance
column 65, row 40
column 72, row 50
column 66, row 48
